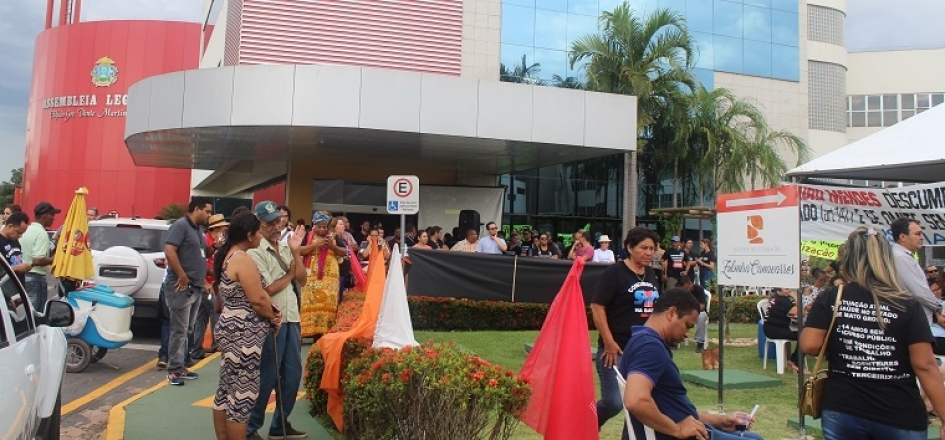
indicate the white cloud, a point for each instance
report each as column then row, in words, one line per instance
column 894, row 24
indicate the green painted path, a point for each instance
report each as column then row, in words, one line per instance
column 185, row 412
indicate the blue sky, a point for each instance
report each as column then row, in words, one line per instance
column 871, row 24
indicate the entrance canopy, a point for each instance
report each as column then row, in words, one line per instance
column 910, row 151
column 252, row 120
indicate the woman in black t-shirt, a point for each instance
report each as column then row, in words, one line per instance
column 782, row 310
column 625, row 295
column 879, row 345
column 545, row 248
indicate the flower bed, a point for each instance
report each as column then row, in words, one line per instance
column 434, row 391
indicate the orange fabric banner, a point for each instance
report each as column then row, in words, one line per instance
column 332, row 344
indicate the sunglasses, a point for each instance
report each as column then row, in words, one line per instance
column 932, row 271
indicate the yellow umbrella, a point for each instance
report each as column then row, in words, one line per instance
column 73, row 259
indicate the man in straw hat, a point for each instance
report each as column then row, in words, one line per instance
column 215, row 236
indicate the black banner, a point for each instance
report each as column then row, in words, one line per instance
column 494, row 277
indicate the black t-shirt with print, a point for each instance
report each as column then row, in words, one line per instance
column 628, row 299
column 708, row 257
column 676, row 261
column 548, row 253
column 778, row 312
column 871, row 376
column 12, row 252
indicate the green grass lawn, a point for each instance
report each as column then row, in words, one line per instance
column 777, row 404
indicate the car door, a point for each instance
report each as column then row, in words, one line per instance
column 19, row 361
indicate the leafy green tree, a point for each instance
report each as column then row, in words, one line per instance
column 523, row 73
column 7, row 188
column 172, row 211
column 651, row 59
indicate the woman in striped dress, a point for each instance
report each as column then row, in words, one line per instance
column 241, row 330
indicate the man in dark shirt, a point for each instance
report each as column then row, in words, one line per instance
column 675, row 263
column 655, row 393
column 698, row 292
column 185, row 284
column 13, row 228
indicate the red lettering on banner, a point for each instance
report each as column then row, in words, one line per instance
column 808, row 193
column 858, row 198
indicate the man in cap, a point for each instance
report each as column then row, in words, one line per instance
column 13, row 228
column 281, row 265
column 185, row 283
column 675, row 263
column 35, row 244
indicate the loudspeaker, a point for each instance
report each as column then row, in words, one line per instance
column 468, row 219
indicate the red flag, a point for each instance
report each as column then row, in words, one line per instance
column 563, row 404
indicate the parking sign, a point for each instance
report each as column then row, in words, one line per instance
column 403, row 195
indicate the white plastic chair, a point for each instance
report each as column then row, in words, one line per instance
column 647, row 431
column 780, row 345
column 708, row 303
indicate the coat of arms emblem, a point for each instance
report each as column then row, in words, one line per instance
column 105, row 73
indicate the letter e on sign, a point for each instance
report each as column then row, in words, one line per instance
column 405, row 191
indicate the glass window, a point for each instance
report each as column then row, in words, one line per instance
column 728, row 19
column 757, row 58
column 677, row 6
column 784, row 28
column 583, row 7
column 511, row 56
column 706, row 77
column 908, row 101
column 785, row 5
column 552, row 5
column 133, row 236
column 699, row 15
column 728, row 54
column 873, row 102
column 765, row 3
column 922, row 100
column 553, row 62
column 580, row 25
column 553, row 30
column 858, row 102
column 873, row 119
column 859, row 119
column 890, row 102
column 518, row 25
column 937, row 99
column 18, row 305
column 529, row 3
column 704, row 56
column 906, row 114
column 610, row 5
column 757, row 23
column 642, row 8
column 785, row 62
column 890, row 118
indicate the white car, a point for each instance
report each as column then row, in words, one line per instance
column 128, row 256
column 32, row 362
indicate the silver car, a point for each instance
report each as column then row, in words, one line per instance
column 128, row 256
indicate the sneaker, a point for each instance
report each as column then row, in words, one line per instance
column 290, row 434
column 175, row 379
column 254, row 436
column 189, row 375
column 162, row 364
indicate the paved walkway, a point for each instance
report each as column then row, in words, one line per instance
column 185, row 412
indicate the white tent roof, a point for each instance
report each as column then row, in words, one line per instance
column 910, row 151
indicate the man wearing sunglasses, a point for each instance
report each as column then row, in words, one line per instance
column 492, row 244
column 931, row 274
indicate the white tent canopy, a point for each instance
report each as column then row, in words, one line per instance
column 910, row 151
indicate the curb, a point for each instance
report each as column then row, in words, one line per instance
column 115, row 427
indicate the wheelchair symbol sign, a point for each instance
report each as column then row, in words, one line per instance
column 393, row 206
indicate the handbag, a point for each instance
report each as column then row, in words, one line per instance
column 813, row 396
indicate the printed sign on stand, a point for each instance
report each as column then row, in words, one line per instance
column 759, row 238
column 403, row 195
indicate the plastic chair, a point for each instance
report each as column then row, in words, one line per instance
column 780, row 345
column 708, row 303
column 648, row 432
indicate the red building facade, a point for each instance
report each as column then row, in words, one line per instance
column 76, row 121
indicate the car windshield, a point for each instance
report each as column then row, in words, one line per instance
column 135, row 237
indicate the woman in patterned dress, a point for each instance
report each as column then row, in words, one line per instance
column 320, row 294
column 247, row 315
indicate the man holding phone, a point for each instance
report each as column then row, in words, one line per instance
column 655, row 393
column 184, row 284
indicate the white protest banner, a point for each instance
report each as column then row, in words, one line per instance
column 832, row 213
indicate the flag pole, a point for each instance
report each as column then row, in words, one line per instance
column 721, row 345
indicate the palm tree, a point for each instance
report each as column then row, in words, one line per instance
column 650, row 59
column 522, row 73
